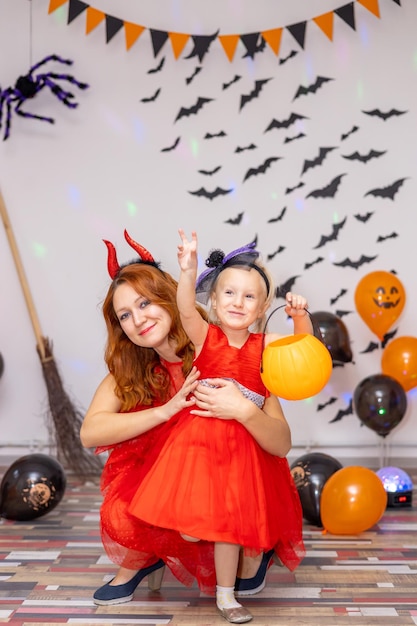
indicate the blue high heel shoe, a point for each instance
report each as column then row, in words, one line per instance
column 250, row 586
column 116, row 594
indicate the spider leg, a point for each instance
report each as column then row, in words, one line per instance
column 70, row 79
column 8, row 118
column 52, row 57
column 18, row 111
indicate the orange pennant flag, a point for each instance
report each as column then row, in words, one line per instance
column 178, row 42
column 325, row 22
column 371, row 5
column 55, row 4
column 273, row 38
column 93, row 19
column 132, row 33
column 229, row 43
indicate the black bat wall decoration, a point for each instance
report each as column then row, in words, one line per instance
column 279, row 217
column 244, row 148
column 289, row 139
column 244, row 99
column 210, row 172
column 293, row 117
column 221, row 133
column 261, row 169
column 384, row 116
column 292, row 54
column 274, row 254
column 204, row 193
column 371, row 347
column 291, row 189
column 354, row 129
column 318, row 160
column 356, row 264
column 342, row 413
column 336, row 228
column 174, row 145
column 330, row 401
column 364, row 158
column 342, row 313
column 363, row 217
column 235, row 220
column 341, row 293
column 387, row 192
column 388, row 336
column 329, row 191
column 158, row 68
column 152, row 98
column 381, row 238
column 319, row 259
column 197, row 70
column 312, row 88
column 234, row 80
column 284, row 288
column 194, row 109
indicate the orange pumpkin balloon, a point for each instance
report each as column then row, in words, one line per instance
column 379, row 299
column 353, row 499
column 296, row 367
column 399, row 360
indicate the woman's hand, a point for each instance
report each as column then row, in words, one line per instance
column 184, row 397
column 223, row 399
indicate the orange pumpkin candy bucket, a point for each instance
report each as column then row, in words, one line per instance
column 295, row 367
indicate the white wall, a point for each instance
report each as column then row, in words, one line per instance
column 101, row 168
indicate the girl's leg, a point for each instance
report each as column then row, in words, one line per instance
column 226, row 558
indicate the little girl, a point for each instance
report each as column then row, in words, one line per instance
column 220, row 479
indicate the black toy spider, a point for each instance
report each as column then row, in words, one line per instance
column 28, row 86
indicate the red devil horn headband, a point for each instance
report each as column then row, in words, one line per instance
column 112, row 263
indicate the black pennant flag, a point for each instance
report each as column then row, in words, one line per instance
column 298, row 31
column 113, row 25
column 250, row 42
column 202, row 44
column 347, row 14
column 76, row 7
column 158, row 38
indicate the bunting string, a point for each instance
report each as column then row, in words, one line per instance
column 252, row 42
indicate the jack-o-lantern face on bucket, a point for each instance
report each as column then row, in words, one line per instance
column 379, row 300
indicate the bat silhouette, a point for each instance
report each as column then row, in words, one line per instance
column 214, row 135
column 352, row 130
column 387, row 192
column 193, row 75
column 292, row 54
column 364, row 158
column 363, row 218
column 273, row 254
column 393, row 235
column 341, row 293
column 235, row 220
column 158, row 68
column 234, row 80
column 193, row 110
column 384, row 116
column 244, row 148
column 261, row 169
column 290, row 189
column 318, row 260
column 254, row 93
column 174, row 145
column 152, row 98
column 312, row 88
column 341, row 313
column 387, row 337
column 334, row 234
column 356, row 264
column 284, row 288
column 294, row 117
column 210, row 172
column 279, row 217
column 332, row 400
column 342, row 413
column 371, row 347
column 289, row 139
column 210, row 194
column 323, row 152
column 329, row 191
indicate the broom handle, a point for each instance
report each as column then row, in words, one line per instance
column 22, row 277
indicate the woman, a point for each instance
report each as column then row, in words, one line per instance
column 150, row 380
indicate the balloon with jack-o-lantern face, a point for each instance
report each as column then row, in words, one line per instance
column 379, row 299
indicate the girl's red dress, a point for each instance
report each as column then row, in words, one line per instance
column 213, row 481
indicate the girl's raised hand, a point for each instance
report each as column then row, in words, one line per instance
column 187, row 251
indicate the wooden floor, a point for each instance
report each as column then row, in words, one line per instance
column 50, row 567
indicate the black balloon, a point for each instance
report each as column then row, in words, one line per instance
column 310, row 473
column 31, row 487
column 334, row 335
column 380, row 402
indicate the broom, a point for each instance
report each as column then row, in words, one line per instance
column 66, row 418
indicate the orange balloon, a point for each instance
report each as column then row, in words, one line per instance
column 399, row 360
column 352, row 500
column 379, row 300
